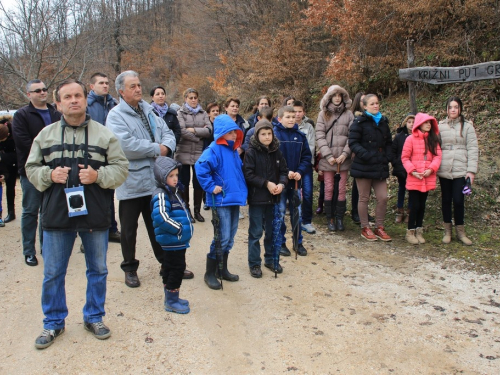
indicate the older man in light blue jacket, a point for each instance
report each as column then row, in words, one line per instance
column 143, row 137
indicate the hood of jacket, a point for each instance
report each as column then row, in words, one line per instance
column 162, row 168
column 275, row 144
column 332, row 90
column 420, row 118
column 223, row 124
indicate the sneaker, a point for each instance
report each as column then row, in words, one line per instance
column 271, row 267
column 368, row 235
column 309, row 228
column 114, row 236
column 381, row 235
column 301, row 250
column 31, row 260
column 256, row 272
column 47, row 337
column 284, row 251
column 98, row 329
column 2, row 224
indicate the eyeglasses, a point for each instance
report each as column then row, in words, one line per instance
column 38, row 91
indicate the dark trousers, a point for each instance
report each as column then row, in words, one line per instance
column 129, row 211
column 185, row 177
column 174, row 264
column 354, row 197
column 402, row 192
column 451, row 192
column 417, row 199
column 10, row 187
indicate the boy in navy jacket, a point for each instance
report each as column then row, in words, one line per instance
column 173, row 230
column 220, row 174
column 296, row 151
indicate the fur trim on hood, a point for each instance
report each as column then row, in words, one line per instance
column 6, row 118
column 275, row 144
column 327, row 98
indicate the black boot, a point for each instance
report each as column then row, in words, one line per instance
column 198, row 196
column 329, row 218
column 226, row 275
column 339, row 215
column 210, row 278
column 10, row 216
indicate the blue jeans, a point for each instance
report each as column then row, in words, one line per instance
column 32, row 200
column 287, row 195
column 307, row 196
column 57, row 248
column 260, row 215
column 402, row 192
column 229, row 218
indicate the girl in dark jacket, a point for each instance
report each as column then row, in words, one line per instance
column 397, row 166
column 370, row 141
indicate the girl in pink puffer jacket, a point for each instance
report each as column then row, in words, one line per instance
column 421, row 158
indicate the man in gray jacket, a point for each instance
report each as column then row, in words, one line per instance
column 143, row 137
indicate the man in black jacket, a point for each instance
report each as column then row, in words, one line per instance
column 28, row 122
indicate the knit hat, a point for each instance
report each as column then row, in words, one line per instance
column 408, row 116
column 4, row 131
column 263, row 124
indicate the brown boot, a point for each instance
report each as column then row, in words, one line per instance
column 400, row 215
column 461, row 235
column 410, row 237
column 407, row 217
column 447, row 233
column 419, row 235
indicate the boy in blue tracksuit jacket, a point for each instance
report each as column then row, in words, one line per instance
column 220, row 174
column 295, row 149
column 173, row 230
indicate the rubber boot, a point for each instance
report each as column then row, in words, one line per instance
column 181, row 301
column 329, row 219
column 319, row 210
column 410, row 237
column 339, row 215
column 447, row 233
column 185, row 197
column 419, row 234
column 226, row 275
column 461, row 235
column 210, row 278
column 198, row 197
column 173, row 304
column 400, row 215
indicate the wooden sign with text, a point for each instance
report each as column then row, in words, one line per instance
column 438, row 76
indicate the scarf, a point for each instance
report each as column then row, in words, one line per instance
column 376, row 117
column 194, row 111
column 161, row 110
column 335, row 108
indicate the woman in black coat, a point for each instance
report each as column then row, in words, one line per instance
column 8, row 165
column 161, row 109
column 370, row 141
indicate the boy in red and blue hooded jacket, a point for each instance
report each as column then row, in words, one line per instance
column 220, row 174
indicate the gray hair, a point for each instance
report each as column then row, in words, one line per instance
column 28, row 85
column 120, row 80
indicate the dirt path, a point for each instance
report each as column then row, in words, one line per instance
column 349, row 307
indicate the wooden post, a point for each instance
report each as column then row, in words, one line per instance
column 411, row 84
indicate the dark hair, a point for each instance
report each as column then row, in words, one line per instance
column 265, row 113
column 66, row 82
column 229, row 100
column 93, row 77
column 433, row 140
column 287, row 99
column 153, row 90
column 356, row 102
column 211, row 105
column 460, row 107
column 28, row 85
column 190, row 91
column 298, row 103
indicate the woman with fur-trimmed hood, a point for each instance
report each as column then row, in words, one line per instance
column 332, row 134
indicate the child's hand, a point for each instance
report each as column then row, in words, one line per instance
column 271, row 186
column 341, row 159
column 278, row 190
column 217, row 189
column 331, row 160
column 427, row 173
column 291, row 175
column 420, row 176
column 297, row 176
column 320, row 173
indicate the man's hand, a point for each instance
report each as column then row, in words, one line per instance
column 87, row 175
column 164, row 150
column 60, row 175
column 294, row 175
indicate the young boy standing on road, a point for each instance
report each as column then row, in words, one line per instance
column 266, row 175
column 296, row 151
